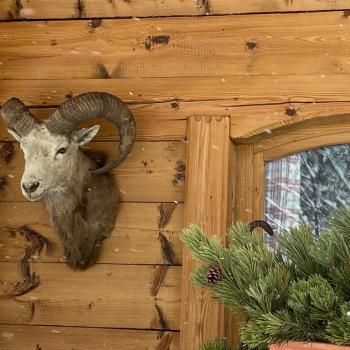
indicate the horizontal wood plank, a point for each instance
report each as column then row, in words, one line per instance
column 247, row 122
column 229, row 91
column 155, row 122
column 78, row 338
column 39, row 9
column 116, row 296
column 134, row 240
column 147, row 175
column 274, row 44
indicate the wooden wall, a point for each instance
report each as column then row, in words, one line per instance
column 264, row 62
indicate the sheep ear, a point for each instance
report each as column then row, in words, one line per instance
column 14, row 134
column 85, row 135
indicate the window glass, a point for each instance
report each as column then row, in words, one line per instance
column 304, row 188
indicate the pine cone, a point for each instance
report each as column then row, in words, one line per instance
column 214, row 275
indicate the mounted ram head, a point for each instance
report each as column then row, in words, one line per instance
column 80, row 198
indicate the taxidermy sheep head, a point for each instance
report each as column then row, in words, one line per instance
column 81, row 199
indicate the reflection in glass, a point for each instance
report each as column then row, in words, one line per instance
column 305, row 188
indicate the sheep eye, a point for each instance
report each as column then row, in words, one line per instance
column 61, row 151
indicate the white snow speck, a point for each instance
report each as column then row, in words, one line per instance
column 74, row 52
column 7, row 335
column 131, row 93
column 158, row 28
column 136, row 19
column 55, row 331
column 223, row 80
column 269, row 131
column 27, row 11
column 348, row 313
column 136, row 250
column 11, row 176
column 96, row 52
column 323, row 76
column 116, row 250
column 122, row 191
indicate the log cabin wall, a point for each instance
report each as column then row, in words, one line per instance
column 262, row 62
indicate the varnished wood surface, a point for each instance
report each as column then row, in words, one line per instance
column 36, row 9
column 13, row 337
column 207, row 204
column 134, row 240
column 205, row 91
column 111, row 296
column 270, row 45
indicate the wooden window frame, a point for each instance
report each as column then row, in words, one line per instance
column 225, row 183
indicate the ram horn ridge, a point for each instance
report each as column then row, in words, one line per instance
column 17, row 117
column 92, row 105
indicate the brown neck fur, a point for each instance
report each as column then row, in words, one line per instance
column 83, row 213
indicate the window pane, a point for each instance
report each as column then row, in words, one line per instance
column 304, row 188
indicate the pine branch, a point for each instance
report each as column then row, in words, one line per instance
column 218, row 344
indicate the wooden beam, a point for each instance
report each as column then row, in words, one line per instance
column 230, row 92
column 207, row 204
column 81, row 338
column 259, row 46
column 39, row 9
column 104, row 296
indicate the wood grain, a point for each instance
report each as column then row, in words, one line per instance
column 145, row 176
column 247, row 122
column 312, row 133
column 272, row 45
column 167, row 120
column 39, row 9
column 116, row 296
column 207, row 204
column 244, row 183
column 233, row 91
column 155, row 122
column 14, row 337
column 134, row 240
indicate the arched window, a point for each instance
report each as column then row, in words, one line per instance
column 294, row 174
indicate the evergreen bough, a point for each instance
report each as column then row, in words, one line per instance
column 300, row 292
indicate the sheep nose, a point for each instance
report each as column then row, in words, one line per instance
column 31, row 187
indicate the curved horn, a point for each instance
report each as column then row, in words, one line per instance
column 17, row 116
column 91, row 105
